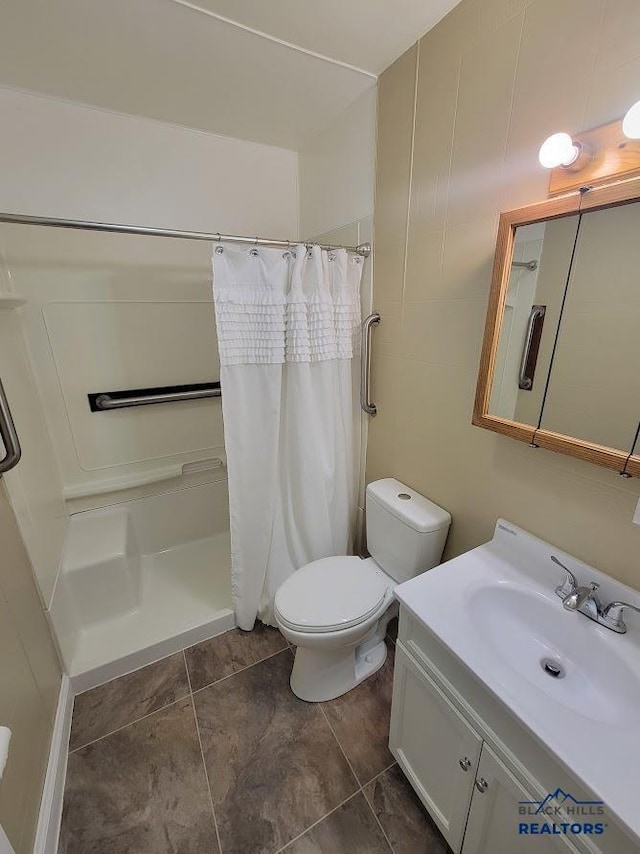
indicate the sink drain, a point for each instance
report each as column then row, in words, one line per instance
column 552, row 668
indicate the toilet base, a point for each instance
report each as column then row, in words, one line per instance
column 320, row 675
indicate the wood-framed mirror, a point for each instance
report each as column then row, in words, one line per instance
column 560, row 363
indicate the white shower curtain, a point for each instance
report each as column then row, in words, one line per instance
column 288, row 328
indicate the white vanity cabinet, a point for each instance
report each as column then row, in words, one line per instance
column 470, row 762
column 436, row 747
column 493, row 815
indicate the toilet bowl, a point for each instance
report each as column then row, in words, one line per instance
column 336, row 610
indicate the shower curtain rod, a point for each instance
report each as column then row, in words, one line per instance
column 363, row 249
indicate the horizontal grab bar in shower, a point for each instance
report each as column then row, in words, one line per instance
column 102, row 401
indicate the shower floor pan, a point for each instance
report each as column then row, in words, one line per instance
column 139, row 581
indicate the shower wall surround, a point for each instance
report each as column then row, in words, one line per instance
column 114, row 312
column 29, row 686
column 461, row 117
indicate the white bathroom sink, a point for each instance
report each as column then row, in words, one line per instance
column 554, row 651
column 495, row 608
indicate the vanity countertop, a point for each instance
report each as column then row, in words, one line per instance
column 495, row 608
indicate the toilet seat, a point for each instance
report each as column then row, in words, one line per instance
column 331, row 594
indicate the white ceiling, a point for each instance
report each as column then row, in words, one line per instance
column 274, row 72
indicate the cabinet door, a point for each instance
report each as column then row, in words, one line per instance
column 494, row 816
column 435, row 746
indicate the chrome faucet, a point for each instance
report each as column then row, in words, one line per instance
column 583, row 600
column 576, row 598
column 611, row 616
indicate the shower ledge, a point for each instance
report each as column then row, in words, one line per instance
column 9, row 301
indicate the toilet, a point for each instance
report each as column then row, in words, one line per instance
column 336, row 610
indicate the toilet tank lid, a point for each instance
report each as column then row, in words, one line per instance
column 416, row 511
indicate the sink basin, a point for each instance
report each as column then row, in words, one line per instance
column 573, row 684
column 561, row 653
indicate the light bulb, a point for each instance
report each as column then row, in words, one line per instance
column 558, row 150
column 631, row 122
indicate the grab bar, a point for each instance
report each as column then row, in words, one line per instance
column 8, row 434
column 106, row 400
column 365, row 365
column 531, row 347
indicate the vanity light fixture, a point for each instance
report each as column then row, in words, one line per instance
column 559, row 150
column 631, row 122
column 601, row 155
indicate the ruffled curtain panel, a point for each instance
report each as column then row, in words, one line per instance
column 288, row 327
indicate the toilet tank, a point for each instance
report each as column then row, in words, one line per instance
column 406, row 532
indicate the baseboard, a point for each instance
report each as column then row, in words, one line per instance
column 51, row 805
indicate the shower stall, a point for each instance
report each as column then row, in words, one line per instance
column 123, row 507
column 110, row 363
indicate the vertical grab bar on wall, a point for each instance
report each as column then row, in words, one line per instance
column 8, row 434
column 365, row 365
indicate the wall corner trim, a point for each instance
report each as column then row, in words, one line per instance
column 50, row 815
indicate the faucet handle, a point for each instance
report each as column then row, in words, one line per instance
column 570, row 583
column 612, row 616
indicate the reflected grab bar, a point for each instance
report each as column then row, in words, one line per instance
column 365, row 365
column 528, row 265
column 531, row 347
column 9, row 436
column 107, row 400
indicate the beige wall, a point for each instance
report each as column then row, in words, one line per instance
column 29, row 685
column 494, row 78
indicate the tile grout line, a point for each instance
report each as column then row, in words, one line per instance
column 379, row 774
column 412, row 145
column 357, row 779
column 236, row 672
column 370, row 805
column 328, row 722
column 190, row 692
column 204, row 764
column 358, row 790
column 190, row 695
column 373, row 813
column 318, row 821
column 130, row 723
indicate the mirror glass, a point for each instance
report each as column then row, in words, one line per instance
column 594, row 384
column 541, row 261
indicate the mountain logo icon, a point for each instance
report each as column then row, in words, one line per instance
column 559, row 798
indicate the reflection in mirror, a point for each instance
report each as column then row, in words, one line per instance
column 541, row 260
column 594, row 387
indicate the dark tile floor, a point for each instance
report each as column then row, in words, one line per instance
column 209, row 752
